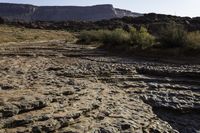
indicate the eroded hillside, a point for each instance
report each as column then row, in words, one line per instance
column 29, row 13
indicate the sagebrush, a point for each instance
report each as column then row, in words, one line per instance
column 119, row 38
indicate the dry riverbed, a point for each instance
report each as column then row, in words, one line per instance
column 69, row 88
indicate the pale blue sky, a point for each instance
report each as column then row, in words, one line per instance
column 175, row 7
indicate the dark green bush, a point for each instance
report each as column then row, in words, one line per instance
column 116, row 38
column 119, row 38
column 108, row 37
column 173, row 35
column 92, row 36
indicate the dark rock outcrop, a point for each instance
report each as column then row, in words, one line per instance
column 152, row 21
column 13, row 12
column 121, row 13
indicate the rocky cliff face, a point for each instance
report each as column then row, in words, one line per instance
column 122, row 13
column 60, row 13
column 16, row 11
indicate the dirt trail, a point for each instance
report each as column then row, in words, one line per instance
column 68, row 88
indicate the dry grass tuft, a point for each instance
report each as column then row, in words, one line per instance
column 15, row 34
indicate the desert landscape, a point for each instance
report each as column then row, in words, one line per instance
column 63, row 87
column 102, row 80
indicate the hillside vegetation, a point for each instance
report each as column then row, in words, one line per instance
column 16, row 34
column 119, row 38
column 170, row 37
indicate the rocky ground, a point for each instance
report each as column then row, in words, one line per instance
column 68, row 88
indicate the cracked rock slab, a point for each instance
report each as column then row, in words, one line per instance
column 85, row 91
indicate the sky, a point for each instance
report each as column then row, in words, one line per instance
column 174, row 7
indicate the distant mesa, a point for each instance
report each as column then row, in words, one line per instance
column 23, row 12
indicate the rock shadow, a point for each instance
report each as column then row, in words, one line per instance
column 184, row 122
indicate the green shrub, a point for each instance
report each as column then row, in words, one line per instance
column 193, row 40
column 142, row 38
column 92, row 36
column 145, row 39
column 116, row 38
column 173, row 35
column 133, row 36
column 87, row 36
column 119, row 38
